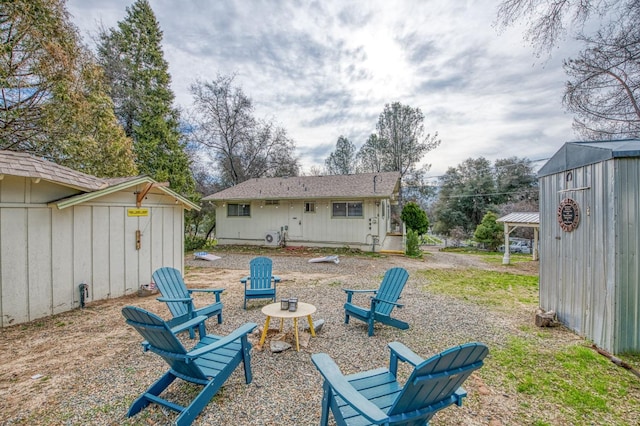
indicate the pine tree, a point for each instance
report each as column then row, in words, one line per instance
column 138, row 76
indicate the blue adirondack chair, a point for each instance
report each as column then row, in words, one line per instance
column 375, row 397
column 209, row 363
column 179, row 301
column 382, row 303
column 260, row 283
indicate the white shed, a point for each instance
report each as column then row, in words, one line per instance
column 590, row 241
column 60, row 228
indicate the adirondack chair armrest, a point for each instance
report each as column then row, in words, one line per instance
column 340, row 386
column 350, row 292
column 275, row 278
column 400, row 352
column 188, row 324
column 205, row 290
column 233, row 336
column 215, row 291
column 375, row 300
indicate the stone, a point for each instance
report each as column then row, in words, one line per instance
column 279, row 346
column 317, row 326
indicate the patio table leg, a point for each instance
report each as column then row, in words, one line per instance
column 313, row 331
column 264, row 330
column 295, row 327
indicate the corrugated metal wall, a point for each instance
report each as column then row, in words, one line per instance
column 590, row 276
column 627, row 261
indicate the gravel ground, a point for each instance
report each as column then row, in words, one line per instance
column 93, row 367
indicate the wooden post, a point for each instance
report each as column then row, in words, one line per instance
column 506, row 259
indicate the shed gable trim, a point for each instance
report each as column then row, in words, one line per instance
column 83, row 198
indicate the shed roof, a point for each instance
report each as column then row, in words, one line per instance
column 370, row 185
column 520, row 218
column 578, row 154
column 26, row 165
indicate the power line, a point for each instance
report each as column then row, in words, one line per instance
column 505, row 166
column 523, row 190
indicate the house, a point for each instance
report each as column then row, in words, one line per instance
column 590, row 241
column 321, row 211
column 61, row 229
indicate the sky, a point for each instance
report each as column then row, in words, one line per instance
column 328, row 68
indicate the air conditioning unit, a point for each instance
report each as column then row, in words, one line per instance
column 272, row 238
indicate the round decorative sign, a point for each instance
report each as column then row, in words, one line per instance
column 568, row 215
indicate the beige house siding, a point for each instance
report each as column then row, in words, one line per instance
column 304, row 229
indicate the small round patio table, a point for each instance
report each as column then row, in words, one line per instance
column 273, row 311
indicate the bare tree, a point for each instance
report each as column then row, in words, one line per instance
column 604, row 85
column 549, row 21
column 313, row 171
column 603, row 88
column 242, row 146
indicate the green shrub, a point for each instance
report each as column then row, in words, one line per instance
column 415, row 218
column 193, row 242
column 413, row 244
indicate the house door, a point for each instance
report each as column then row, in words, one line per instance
column 295, row 221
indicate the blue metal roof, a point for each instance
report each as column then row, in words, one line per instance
column 577, row 154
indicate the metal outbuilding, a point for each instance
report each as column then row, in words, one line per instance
column 66, row 236
column 590, row 240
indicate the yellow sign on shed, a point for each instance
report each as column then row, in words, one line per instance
column 137, row 212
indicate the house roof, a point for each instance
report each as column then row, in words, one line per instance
column 369, row 185
column 25, row 165
column 577, row 154
column 520, row 218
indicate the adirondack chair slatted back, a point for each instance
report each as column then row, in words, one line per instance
column 260, row 269
column 170, row 283
column 162, row 341
column 437, row 378
column 390, row 289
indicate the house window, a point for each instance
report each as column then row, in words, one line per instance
column 309, row 207
column 347, row 209
column 239, row 210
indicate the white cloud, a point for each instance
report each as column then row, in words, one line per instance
column 325, row 69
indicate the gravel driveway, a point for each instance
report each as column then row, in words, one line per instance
column 92, row 365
